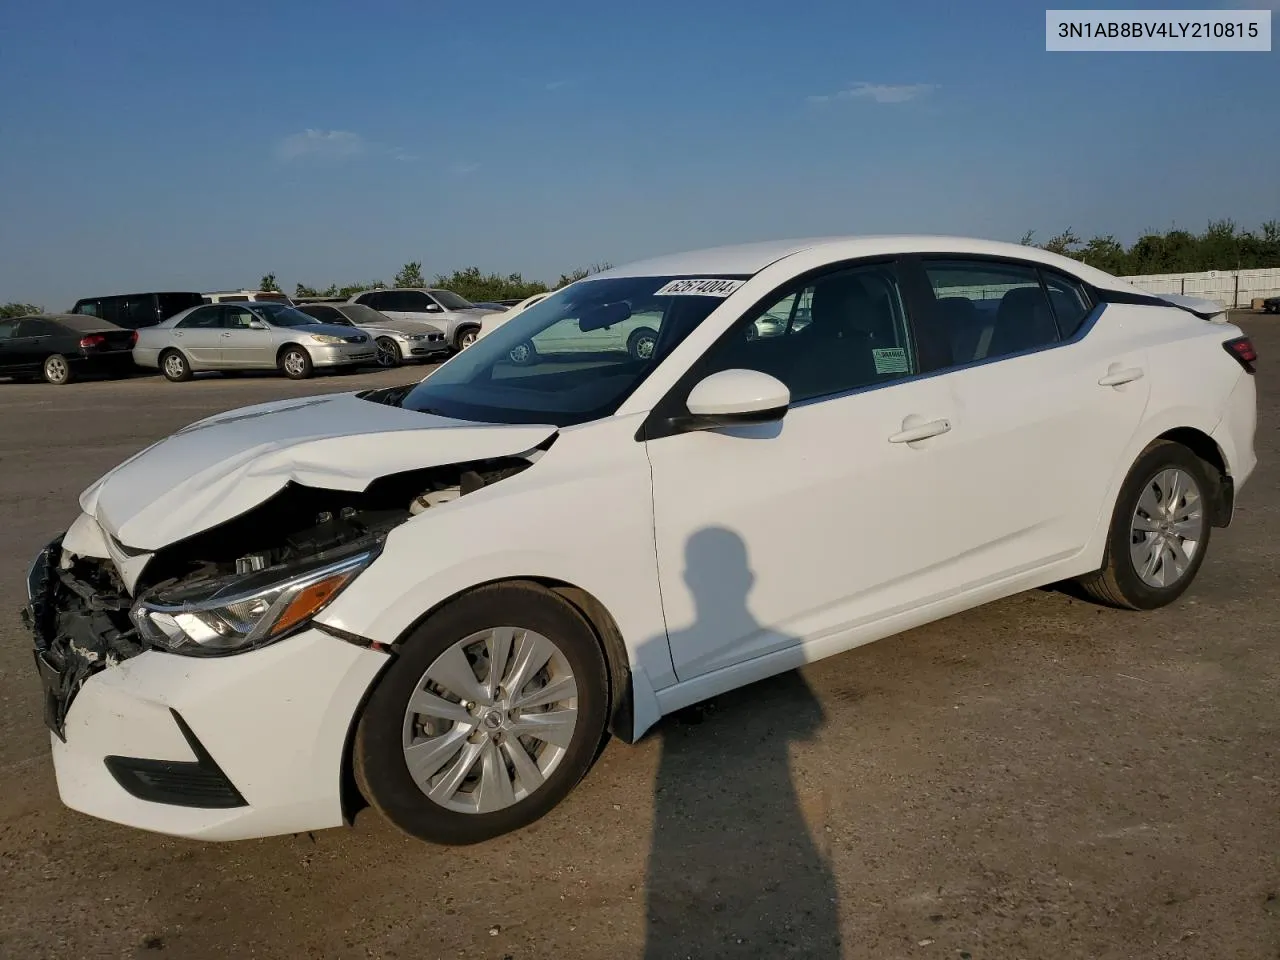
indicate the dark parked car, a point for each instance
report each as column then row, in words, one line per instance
column 134, row 310
column 60, row 346
column 1271, row 305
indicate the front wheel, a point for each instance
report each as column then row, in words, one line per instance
column 296, row 363
column 388, row 352
column 641, row 344
column 523, row 354
column 57, row 370
column 492, row 712
column 466, row 337
column 1159, row 531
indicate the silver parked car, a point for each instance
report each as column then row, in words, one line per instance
column 457, row 316
column 396, row 340
column 249, row 336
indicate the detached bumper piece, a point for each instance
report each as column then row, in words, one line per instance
column 181, row 783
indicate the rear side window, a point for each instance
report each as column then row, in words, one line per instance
column 37, row 328
column 110, row 309
column 1071, row 303
column 985, row 309
column 174, row 303
column 378, row 301
column 139, row 311
column 7, row 327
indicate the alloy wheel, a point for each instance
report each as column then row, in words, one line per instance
column 490, row 720
column 1167, row 528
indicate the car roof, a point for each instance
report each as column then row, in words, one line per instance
column 143, row 293
column 751, row 258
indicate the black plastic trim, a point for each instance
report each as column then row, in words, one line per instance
column 1146, row 300
column 1224, row 500
column 179, row 783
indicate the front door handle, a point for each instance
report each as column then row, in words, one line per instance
column 1115, row 378
column 226, row 334
column 914, row 428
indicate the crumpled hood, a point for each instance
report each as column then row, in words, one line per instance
column 218, row 468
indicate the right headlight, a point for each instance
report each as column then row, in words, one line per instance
column 239, row 613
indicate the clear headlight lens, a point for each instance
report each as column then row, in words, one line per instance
column 416, row 336
column 326, row 338
column 242, row 612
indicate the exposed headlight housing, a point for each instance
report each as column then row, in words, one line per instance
column 326, row 338
column 234, row 614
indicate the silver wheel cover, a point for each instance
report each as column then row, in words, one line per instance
column 174, row 365
column 55, row 368
column 490, row 720
column 293, row 363
column 1167, row 528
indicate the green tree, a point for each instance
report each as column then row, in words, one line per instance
column 1221, row 246
column 18, row 310
column 477, row 287
column 410, row 275
column 268, row 283
column 581, row 274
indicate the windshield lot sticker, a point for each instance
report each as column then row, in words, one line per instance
column 890, row 359
column 699, row 288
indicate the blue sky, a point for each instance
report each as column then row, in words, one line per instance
column 152, row 145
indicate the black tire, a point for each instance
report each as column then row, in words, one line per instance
column 57, row 370
column 464, row 337
column 175, row 366
column 1118, row 583
column 389, row 354
column 523, row 354
column 641, row 343
column 295, row 363
column 378, row 756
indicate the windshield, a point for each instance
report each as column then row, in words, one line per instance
column 571, row 358
column 282, row 315
column 451, row 301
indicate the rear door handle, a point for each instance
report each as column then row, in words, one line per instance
column 913, row 429
column 1115, row 378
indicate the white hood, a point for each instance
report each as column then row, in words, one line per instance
column 220, row 467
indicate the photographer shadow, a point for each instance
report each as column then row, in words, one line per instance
column 733, row 868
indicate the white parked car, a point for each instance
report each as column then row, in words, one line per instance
column 455, row 589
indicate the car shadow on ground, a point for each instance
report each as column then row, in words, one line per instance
column 701, row 901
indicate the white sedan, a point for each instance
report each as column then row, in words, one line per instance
column 455, row 589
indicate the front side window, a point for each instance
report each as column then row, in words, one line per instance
column 987, row 309
column 826, row 335
column 237, row 317
column 206, row 318
column 90, row 308
column 407, row 301
column 139, row 311
column 571, row 358
column 7, row 327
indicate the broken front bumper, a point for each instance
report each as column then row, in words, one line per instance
column 223, row 748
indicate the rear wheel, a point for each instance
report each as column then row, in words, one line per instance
column 57, row 370
column 492, row 712
column 296, row 363
column 1159, row 531
column 174, row 366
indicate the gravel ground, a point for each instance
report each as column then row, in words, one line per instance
column 1038, row 778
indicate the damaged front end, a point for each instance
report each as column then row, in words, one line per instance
column 253, row 580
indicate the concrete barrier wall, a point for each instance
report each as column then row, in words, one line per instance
column 1230, row 288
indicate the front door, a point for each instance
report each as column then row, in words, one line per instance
column 780, row 534
column 243, row 346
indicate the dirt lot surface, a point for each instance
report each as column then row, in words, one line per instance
column 1041, row 778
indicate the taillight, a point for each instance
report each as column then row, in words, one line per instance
column 1242, row 349
column 93, row 340
column 133, row 338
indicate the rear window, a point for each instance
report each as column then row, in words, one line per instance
column 273, row 297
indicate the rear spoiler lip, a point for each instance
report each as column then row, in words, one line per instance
column 1204, row 309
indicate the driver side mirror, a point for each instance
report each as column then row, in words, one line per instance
column 256, row 324
column 434, row 308
column 734, row 398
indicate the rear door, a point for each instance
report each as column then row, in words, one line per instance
column 1042, row 410
column 199, row 336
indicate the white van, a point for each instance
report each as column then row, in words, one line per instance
column 245, row 296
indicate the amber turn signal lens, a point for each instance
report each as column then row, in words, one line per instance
column 309, row 601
